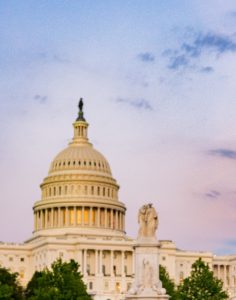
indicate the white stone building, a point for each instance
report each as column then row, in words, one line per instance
column 80, row 217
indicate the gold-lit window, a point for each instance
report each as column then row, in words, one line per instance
column 94, row 211
column 71, row 216
column 86, row 215
column 79, row 216
column 117, row 287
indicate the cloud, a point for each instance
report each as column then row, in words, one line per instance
column 213, row 194
column 41, row 99
column 221, row 152
column 146, row 57
column 200, row 43
column 136, row 103
column 178, row 61
column 207, row 69
column 54, row 58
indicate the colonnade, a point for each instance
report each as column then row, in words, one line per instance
column 79, row 216
column 106, row 263
column 222, row 271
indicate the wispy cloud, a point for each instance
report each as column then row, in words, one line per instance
column 207, row 69
column 221, row 152
column 212, row 194
column 200, row 43
column 47, row 57
column 41, row 99
column 146, row 57
column 141, row 103
column 178, row 61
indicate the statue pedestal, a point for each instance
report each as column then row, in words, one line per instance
column 147, row 285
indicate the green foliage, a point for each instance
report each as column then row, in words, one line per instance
column 63, row 282
column 9, row 287
column 167, row 283
column 201, row 284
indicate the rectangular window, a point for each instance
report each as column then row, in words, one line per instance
column 71, row 216
column 79, row 216
column 86, row 215
column 94, row 216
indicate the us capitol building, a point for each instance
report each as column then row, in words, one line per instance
column 80, row 217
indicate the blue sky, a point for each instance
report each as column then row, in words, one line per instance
column 160, row 73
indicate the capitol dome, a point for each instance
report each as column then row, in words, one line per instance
column 79, row 195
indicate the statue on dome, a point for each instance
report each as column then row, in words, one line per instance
column 148, row 221
column 81, row 104
column 81, row 113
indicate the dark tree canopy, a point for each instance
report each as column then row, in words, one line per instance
column 167, row 283
column 10, row 289
column 62, row 282
column 201, row 284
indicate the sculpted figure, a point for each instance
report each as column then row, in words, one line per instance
column 147, row 274
column 142, row 221
column 148, row 221
column 152, row 220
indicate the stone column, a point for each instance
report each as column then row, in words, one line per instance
column 117, row 223
column 59, row 219
column 90, row 216
column 85, row 262
column 98, row 220
column 82, row 216
column 105, row 212
column 46, row 218
column 66, row 216
column 112, row 219
column 96, row 262
column 52, row 217
column 111, row 262
column 75, row 220
column 100, row 263
column 122, row 263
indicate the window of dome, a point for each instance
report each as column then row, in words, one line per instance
column 85, row 163
column 64, row 163
column 98, row 190
column 74, row 163
column 90, row 163
column 68, row 163
column 59, row 164
column 99, row 164
column 79, row 162
column 94, row 164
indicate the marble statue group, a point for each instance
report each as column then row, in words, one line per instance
column 148, row 221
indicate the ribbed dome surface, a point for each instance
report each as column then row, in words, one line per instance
column 80, row 157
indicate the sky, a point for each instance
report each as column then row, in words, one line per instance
column 158, row 82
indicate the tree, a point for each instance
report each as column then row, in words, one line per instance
column 9, row 286
column 201, row 284
column 62, row 282
column 167, row 283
